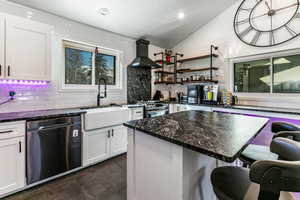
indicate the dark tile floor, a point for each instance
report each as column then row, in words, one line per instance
column 104, row 181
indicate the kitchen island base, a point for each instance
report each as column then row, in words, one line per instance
column 161, row 170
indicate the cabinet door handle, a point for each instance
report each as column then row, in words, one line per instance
column 20, row 147
column 0, row 70
column 112, row 132
column 8, row 70
column 108, row 134
column 3, row 132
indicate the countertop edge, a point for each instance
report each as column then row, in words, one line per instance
column 227, row 159
column 60, row 113
column 247, row 107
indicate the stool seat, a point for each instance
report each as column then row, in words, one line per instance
column 233, row 183
column 257, row 152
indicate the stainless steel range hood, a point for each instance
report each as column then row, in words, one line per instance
column 142, row 60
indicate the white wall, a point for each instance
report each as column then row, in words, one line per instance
column 220, row 32
column 47, row 97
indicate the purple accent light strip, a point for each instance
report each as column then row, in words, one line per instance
column 23, row 82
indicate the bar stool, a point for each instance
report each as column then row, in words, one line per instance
column 265, row 180
column 258, row 152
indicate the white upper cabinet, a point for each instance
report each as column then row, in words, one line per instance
column 27, row 49
column 2, row 45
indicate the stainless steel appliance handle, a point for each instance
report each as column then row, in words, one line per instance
column 3, row 132
column 20, row 147
column 54, row 126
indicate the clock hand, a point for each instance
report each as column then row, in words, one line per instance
column 279, row 9
column 267, row 5
column 283, row 8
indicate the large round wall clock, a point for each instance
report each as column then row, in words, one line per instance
column 265, row 23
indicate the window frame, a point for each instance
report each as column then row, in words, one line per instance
column 270, row 56
column 91, row 48
column 271, row 77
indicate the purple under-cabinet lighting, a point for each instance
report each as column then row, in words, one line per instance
column 23, row 82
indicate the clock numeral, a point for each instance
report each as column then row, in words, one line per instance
column 256, row 37
column 271, row 38
column 244, row 21
column 246, row 31
column 290, row 30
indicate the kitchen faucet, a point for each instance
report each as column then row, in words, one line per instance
column 105, row 93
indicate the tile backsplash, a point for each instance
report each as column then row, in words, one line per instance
column 38, row 97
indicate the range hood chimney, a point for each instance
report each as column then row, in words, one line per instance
column 142, row 60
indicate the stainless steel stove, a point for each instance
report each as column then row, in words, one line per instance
column 155, row 108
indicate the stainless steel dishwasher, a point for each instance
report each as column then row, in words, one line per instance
column 53, row 147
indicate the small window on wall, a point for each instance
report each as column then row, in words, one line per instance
column 252, row 76
column 78, row 66
column 276, row 74
column 286, row 74
column 86, row 64
column 105, row 66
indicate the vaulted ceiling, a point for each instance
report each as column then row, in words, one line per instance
column 156, row 20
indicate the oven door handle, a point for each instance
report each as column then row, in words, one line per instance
column 54, row 126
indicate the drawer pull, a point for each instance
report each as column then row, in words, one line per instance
column 139, row 112
column 20, row 147
column 8, row 70
column 4, row 132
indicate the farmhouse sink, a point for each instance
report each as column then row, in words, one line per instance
column 102, row 117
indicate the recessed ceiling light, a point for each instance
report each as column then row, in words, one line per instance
column 104, row 11
column 29, row 14
column 181, row 15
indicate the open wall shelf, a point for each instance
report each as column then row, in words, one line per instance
column 163, row 75
column 164, row 72
column 164, row 82
column 165, row 62
column 186, row 82
column 196, row 58
column 195, row 70
column 204, row 81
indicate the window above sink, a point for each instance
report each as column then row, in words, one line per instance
column 84, row 64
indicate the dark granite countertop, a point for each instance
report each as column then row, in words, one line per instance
column 38, row 114
column 266, row 109
column 220, row 135
column 249, row 107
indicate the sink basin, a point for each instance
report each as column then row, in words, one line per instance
column 96, row 118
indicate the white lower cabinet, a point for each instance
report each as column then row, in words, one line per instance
column 101, row 144
column 137, row 113
column 198, row 107
column 173, row 108
column 96, row 146
column 118, row 140
column 12, row 157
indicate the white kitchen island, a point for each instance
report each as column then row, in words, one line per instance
column 172, row 156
